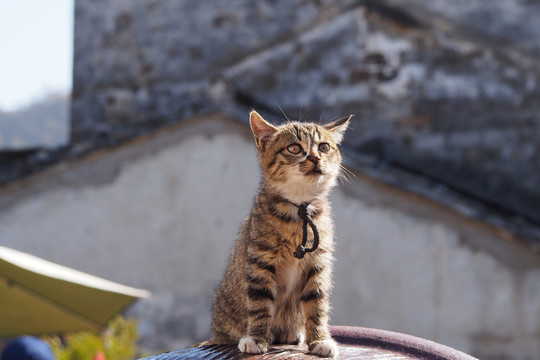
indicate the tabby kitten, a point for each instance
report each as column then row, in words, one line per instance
column 274, row 289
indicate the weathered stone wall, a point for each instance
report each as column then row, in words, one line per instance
column 162, row 214
column 142, row 59
column 447, row 90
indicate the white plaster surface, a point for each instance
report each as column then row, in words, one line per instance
column 166, row 219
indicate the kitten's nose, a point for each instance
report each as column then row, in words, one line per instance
column 313, row 158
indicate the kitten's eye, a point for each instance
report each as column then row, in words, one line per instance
column 294, row 149
column 324, row 147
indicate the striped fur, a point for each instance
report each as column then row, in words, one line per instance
column 267, row 295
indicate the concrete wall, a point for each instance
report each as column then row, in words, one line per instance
column 163, row 212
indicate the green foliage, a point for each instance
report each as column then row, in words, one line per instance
column 118, row 342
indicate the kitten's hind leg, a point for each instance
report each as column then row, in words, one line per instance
column 295, row 337
column 301, row 337
column 218, row 339
column 288, row 337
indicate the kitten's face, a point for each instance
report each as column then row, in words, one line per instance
column 300, row 160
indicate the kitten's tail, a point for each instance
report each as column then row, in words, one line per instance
column 204, row 343
column 216, row 340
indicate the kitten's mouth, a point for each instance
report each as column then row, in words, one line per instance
column 314, row 172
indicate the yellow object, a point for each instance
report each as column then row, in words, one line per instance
column 40, row 297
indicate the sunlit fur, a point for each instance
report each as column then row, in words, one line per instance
column 267, row 295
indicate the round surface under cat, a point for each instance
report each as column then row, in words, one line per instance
column 354, row 343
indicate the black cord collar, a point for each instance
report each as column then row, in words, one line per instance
column 306, row 218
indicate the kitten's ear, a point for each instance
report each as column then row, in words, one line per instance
column 262, row 130
column 338, row 127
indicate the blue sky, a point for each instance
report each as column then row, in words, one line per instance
column 36, row 39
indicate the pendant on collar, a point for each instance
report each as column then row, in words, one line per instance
column 301, row 249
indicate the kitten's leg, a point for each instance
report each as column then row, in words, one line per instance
column 315, row 302
column 260, row 295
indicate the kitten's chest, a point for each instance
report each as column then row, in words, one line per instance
column 291, row 271
column 289, row 277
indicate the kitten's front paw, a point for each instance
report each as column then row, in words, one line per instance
column 326, row 348
column 249, row 345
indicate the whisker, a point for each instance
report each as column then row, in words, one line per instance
column 322, row 114
column 343, row 179
column 283, row 112
column 347, row 171
column 346, row 174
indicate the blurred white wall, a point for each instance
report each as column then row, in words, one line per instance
column 162, row 212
